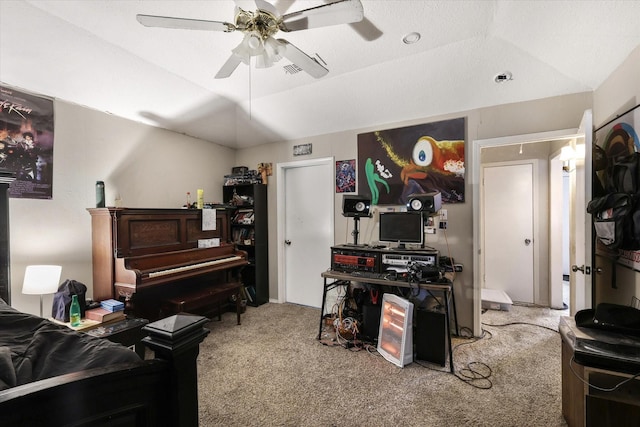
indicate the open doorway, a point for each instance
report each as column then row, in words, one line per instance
column 548, row 279
column 524, row 206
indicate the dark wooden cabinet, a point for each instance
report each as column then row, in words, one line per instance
column 249, row 231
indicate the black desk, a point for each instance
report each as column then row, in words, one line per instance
column 344, row 279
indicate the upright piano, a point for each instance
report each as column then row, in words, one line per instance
column 146, row 256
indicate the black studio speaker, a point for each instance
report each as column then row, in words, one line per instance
column 431, row 336
column 356, row 206
column 425, row 202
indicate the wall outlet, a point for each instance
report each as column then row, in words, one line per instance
column 443, row 215
column 430, row 230
column 443, row 225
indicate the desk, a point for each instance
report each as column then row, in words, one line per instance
column 585, row 375
column 344, row 279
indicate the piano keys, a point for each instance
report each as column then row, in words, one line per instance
column 190, row 267
column 144, row 255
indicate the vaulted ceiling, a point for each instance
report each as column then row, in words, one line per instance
column 95, row 53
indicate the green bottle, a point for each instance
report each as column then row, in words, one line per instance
column 74, row 311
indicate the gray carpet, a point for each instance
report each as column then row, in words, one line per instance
column 271, row 371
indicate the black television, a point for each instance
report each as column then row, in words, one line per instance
column 401, row 228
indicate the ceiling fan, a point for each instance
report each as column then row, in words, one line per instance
column 259, row 28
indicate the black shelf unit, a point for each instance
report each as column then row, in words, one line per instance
column 249, row 231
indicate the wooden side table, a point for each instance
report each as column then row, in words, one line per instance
column 127, row 332
column 602, row 390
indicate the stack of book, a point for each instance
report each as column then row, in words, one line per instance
column 112, row 305
column 109, row 311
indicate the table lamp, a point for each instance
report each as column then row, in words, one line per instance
column 40, row 280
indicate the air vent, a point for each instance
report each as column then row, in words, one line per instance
column 292, row 69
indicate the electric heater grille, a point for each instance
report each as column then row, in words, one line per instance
column 395, row 338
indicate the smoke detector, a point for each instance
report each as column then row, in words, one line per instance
column 503, row 77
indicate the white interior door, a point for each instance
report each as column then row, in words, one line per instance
column 508, row 213
column 580, row 251
column 307, row 236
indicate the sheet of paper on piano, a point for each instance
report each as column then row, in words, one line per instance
column 208, row 219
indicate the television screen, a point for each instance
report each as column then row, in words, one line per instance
column 401, row 227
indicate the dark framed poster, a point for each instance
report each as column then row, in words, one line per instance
column 346, row 176
column 395, row 163
column 26, row 143
column 616, row 138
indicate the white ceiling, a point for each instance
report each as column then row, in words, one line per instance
column 95, row 53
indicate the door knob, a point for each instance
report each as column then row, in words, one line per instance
column 575, row 268
column 287, row 242
column 527, row 242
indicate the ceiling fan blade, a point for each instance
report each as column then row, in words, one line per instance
column 229, row 67
column 265, row 5
column 302, row 60
column 245, row 4
column 366, row 29
column 339, row 12
column 184, row 23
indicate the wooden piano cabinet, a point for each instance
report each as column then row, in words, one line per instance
column 102, row 254
column 127, row 232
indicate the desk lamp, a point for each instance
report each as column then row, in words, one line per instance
column 40, row 280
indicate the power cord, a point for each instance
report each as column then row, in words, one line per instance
column 475, row 374
column 606, row 390
column 521, row 323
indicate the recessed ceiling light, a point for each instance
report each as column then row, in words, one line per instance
column 411, row 38
column 503, row 77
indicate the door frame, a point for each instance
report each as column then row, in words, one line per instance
column 477, row 146
column 281, row 209
column 535, row 213
column 556, row 227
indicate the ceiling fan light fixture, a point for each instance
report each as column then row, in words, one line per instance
column 251, row 45
column 253, row 42
column 273, row 49
column 260, row 27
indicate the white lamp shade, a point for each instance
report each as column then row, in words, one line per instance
column 41, row 279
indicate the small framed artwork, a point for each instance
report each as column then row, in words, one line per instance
column 346, row 176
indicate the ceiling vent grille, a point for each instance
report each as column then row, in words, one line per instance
column 292, row 69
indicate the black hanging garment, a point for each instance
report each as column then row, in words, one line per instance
column 62, row 299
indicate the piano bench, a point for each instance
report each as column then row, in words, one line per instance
column 203, row 298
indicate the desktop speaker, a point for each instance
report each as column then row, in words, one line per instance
column 356, row 206
column 425, row 202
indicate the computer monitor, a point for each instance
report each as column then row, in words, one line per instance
column 401, row 228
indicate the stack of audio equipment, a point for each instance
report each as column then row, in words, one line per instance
column 351, row 258
column 370, row 259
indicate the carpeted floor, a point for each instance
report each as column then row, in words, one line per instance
column 271, row 371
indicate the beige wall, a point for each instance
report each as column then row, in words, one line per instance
column 148, row 167
column 522, row 118
column 619, row 93
column 151, row 167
